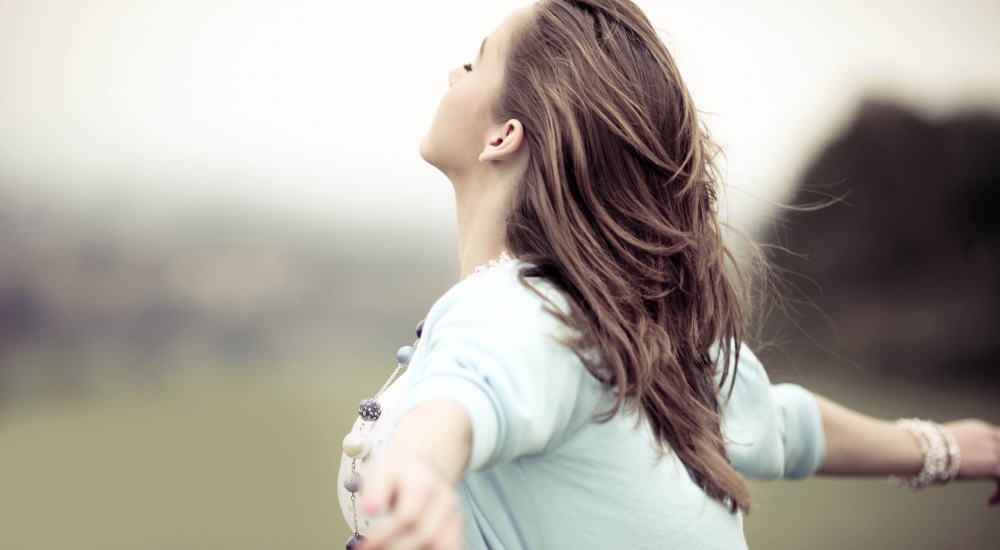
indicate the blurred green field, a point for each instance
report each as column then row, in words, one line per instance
column 205, row 460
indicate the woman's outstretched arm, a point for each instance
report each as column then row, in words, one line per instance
column 859, row 445
column 477, row 399
column 427, row 456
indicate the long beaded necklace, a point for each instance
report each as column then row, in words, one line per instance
column 357, row 446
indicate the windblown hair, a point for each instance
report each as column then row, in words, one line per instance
column 618, row 209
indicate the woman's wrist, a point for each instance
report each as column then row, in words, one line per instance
column 417, row 454
column 859, row 445
column 941, row 455
column 438, row 433
column 903, row 453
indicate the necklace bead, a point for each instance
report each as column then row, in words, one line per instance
column 356, row 445
column 369, row 409
column 353, row 482
column 404, row 355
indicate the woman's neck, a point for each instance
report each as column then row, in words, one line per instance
column 481, row 202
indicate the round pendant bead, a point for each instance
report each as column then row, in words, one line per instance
column 353, row 482
column 356, row 445
column 420, row 328
column 354, row 542
column 404, row 355
column 369, row 409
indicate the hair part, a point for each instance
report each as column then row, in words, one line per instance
column 618, row 209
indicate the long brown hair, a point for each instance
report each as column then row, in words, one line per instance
column 618, row 209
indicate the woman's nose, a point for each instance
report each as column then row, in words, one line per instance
column 454, row 75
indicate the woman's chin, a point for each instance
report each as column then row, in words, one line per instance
column 426, row 152
column 430, row 154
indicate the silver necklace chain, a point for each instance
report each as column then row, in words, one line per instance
column 503, row 258
column 392, row 376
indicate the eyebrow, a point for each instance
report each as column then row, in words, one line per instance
column 482, row 47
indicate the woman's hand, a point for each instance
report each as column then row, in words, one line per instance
column 979, row 444
column 421, row 504
column 861, row 445
column 414, row 485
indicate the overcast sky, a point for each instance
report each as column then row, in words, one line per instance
column 317, row 108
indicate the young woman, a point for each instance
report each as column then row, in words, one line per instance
column 594, row 391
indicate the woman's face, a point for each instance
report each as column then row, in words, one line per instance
column 460, row 129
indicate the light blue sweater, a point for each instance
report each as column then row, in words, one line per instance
column 542, row 474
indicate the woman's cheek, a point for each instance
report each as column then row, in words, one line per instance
column 457, row 129
column 439, row 145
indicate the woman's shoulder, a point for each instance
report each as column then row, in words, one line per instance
column 498, row 297
column 490, row 344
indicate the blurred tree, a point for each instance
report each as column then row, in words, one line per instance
column 907, row 268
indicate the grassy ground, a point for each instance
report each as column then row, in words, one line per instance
column 244, row 462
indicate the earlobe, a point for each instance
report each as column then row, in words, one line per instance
column 503, row 142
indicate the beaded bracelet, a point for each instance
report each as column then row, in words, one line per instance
column 954, row 454
column 942, row 457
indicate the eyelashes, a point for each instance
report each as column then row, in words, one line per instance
column 467, row 67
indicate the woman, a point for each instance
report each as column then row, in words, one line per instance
column 594, row 392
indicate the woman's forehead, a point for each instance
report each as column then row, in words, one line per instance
column 497, row 41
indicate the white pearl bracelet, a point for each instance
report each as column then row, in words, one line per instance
column 942, row 457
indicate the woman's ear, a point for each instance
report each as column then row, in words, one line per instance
column 503, row 141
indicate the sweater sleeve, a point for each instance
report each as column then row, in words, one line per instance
column 771, row 431
column 489, row 345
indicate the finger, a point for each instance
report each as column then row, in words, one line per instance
column 423, row 534
column 451, row 536
column 406, row 541
column 448, row 536
column 440, row 512
column 388, row 530
column 378, row 492
column 406, row 512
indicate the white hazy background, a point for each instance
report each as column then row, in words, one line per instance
column 315, row 109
